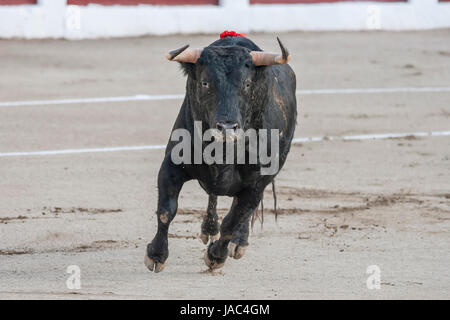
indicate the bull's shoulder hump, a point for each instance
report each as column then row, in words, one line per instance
column 236, row 41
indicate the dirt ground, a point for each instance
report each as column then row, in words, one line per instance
column 344, row 205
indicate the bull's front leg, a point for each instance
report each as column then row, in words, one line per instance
column 239, row 243
column 170, row 181
column 210, row 225
column 234, row 229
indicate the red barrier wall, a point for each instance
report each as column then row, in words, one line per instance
column 136, row 2
column 317, row 1
column 16, row 2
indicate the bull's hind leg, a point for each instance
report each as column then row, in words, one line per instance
column 170, row 180
column 210, row 224
column 234, row 227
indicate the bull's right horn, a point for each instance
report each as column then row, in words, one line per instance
column 184, row 54
column 261, row 58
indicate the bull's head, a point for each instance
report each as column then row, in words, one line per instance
column 222, row 81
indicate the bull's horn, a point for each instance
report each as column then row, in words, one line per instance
column 184, row 55
column 269, row 59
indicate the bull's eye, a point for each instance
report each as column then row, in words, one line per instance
column 205, row 84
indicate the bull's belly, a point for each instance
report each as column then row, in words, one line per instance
column 221, row 190
column 222, row 180
column 221, row 186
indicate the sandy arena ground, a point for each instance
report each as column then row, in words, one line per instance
column 344, row 205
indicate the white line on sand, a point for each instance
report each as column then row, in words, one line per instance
column 144, row 97
column 378, row 136
column 296, row 140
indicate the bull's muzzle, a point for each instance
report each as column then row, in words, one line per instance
column 223, row 126
column 226, row 131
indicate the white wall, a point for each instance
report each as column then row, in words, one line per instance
column 53, row 19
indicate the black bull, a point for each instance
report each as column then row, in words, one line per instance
column 231, row 84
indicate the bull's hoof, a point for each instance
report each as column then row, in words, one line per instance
column 209, row 238
column 211, row 263
column 216, row 255
column 153, row 265
column 236, row 251
column 156, row 255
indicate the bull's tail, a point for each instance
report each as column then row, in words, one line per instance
column 260, row 217
column 274, row 192
column 257, row 215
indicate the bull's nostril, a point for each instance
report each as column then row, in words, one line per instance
column 223, row 126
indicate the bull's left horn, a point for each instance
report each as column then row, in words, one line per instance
column 184, row 54
column 269, row 59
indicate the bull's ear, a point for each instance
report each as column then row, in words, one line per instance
column 188, row 69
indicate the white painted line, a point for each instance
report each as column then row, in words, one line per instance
column 76, row 151
column 162, row 147
column 374, row 90
column 144, row 97
column 379, row 136
column 140, row 97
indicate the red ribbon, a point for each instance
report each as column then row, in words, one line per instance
column 231, row 34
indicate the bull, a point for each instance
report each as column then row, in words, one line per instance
column 231, row 84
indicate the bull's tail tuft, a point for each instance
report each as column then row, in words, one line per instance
column 258, row 214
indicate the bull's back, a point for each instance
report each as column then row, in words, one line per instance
column 282, row 102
